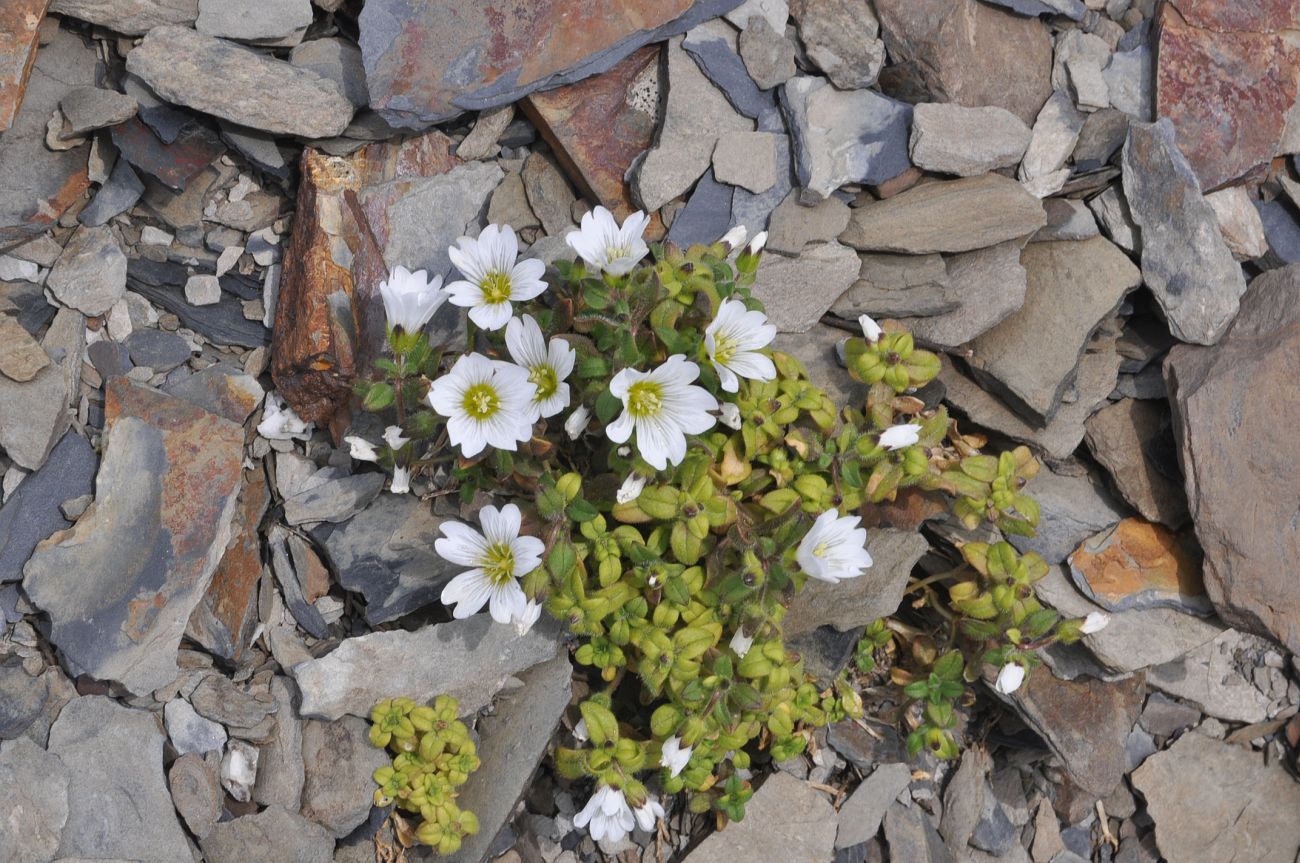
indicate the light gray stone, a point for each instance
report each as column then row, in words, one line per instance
column 34, row 414
column 988, row 285
column 21, row 356
column 90, row 275
column 549, row 195
column 1073, row 509
column 774, row 12
column 280, row 770
column 1130, row 82
column 190, row 732
column 1239, row 222
column 337, row 60
column 767, row 53
column 281, row 23
column 196, row 792
column 746, row 159
column 329, row 497
column 1089, row 86
column 33, row 802
column 1210, row 676
column 1112, row 213
column 912, row 836
column 964, row 796
column 338, row 791
column 786, row 819
column 1055, row 133
column 273, row 834
column 88, row 108
column 1067, row 219
column 794, row 225
column 898, row 286
column 131, row 17
column 798, row 291
column 841, row 37
column 481, row 142
column 952, row 139
column 862, row 812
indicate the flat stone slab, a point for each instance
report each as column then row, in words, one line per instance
column 786, row 819
column 131, row 17
column 1137, row 564
column 798, row 291
column 32, row 512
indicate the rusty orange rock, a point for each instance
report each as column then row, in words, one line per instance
column 19, row 23
column 1137, row 564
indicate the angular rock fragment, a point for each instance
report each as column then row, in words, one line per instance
column 280, row 768
column 1073, row 509
column 746, row 159
column 865, row 809
column 1211, row 676
column 988, row 285
column 897, row 286
column 338, row 789
column 951, row 139
column 1239, row 222
column 169, row 480
column 1056, row 131
column 767, row 53
column 258, row 22
column 89, row 108
column 1123, row 437
column 785, row 820
column 18, row 24
column 90, row 275
column 707, row 215
column 196, row 791
column 273, row 834
column 1137, row 564
column 793, row 225
column 34, row 788
column 130, row 17
column 114, row 197
column 21, row 356
column 840, row 38
column 798, row 291
column 32, row 512
column 35, row 412
column 174, row 162
column 549, row 195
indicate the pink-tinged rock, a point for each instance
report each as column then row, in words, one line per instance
column 1264, row 16
column 1227, row 91
column 18, row 23
column 121, row 584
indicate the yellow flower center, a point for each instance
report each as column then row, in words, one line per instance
column 545, row 379
column 724, row 348
column 499, row 563
column 644, row 399
column 613, row 253
column 481, row 401
column 495, row 287
column 820, row 549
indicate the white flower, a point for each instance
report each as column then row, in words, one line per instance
column 834, row 548
column 1096, row 621
column 734, row 238
column 648, row 813
column 486, row 403
column 663, row 407
column 500, row 557
column 608, row 813
column 279, row 422
column 606, row 246
column 756, row 245
column 733, row 341
column 1010, row 678
column 580, row 730
column 394, row 438
column 729, row 415
column 401, row 480
column 870, row 329
column 674, row 756
column 576, row 424
column 898, row 437
column 524, row 622
column 741, row 643
column 547, row 365
column 492, row 277
column 410, row 299
column 360, row 449
column 631, row 488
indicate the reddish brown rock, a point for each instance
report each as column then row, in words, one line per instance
column 1137, row 564
column 1264, row 16
column 18, row 30
column 1227, row 90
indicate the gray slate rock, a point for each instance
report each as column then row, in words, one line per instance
column 786, row 819
column 862, row 813
column 898, row 286
column 1211, row 677
column 88, row 108
column 989, row 285
column 839, row 136
column 119, row 806
column 1073, row 509
column 747, row 160
column 220, row 699
column 912, row 836
column 798, row 291
column 157, row 349
column 273, row 834
column 549, row 195
column 34, row 414
column 338, row 790
column 1122, row 436
column 708, row 214
column 1165, row 717
column 280, row 766
column 293, row 561
column 794, row 225
column 767, row 53
column 475, row 658
column 1130, row 82
column 1101, row 138
column 22, row 698
column 1055, row 133
column 239, row 85
column 714, row 46
column 841, row 38
column 1072, row 9
column 32, row 512
column 190, row 732
column 196, row 792
column 34, row 799
column 1185, row 261
column 259, row 22
column 329, row 497
column 1281, row 230
column 116, row 196
column 130, row 17
column 90, row 275
column 1067, row 219
column 951, row 139
column 339, row 61
column 1116, row 220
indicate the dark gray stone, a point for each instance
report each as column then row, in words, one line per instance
column 223, row 323
column 32, row 513
column 272, row 834
column 706, row 216
column 110, row 359
column 329, row 496
column 291, row 562
column 1101, row 138
column 912, row 836
column 713, row 47
column 1165, row 717
column 338, row 790
column 994, row 833
column 116, row 196
column 1282, row 230
column 862, row 812
column 865, row 750
column 157, row 349
column 1073, row 508
column 826, row 651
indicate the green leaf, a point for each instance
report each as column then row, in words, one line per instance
column 379, row 397
column 581, row 510
column 592, row 367
column 607, row 405
column 665, row 719
column 562, row 559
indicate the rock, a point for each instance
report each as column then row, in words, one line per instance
column 220, row 699
column 964, row 796
column 746, row 159
column 1102, row 136
column 196, row 793
column 40, row 184
column 157, row 349
column 784, row 285
column 988, row 284
column 786, row 819
column 385, row 552
column 1228, row 404
column 513, row 740
column 862, row 812
column 968, row 53
column 116, row 196
column 489, row 126
column 501, row 54
column 1073, row 508
column 826, row 652
column 20, row 22
column 34, row 798
column 1130, row 82
column 296, row 566
column 1185, row 261
column 280, row 766
column 90, row 275
column 1055, row 133
column 912, row 836
column 1210, row 676
column 509, row 205
column 840, row 38
column 204, row 73
column 222, row 389
column 1067, row 219
column 89, row 108
column 597, row 127
column 696, row 114
column 1215, row 801
column 1282, row 231
column 337, row 791
column 946, row 216
column 35, row 413
column 794, row 225
column 897, row 286
column 191, row 147
column 239, row 770
column 477, row 657
column 1121, row 436
column 1239, row 223
column 843, row 136
column 169, row 480
column 1165, row 717
column 202, row 290
column 767, row 53
column 818, row 350
column 1116, row 220
column 951, row 139
column 858, row 601
column 1084, row 721
column 549, row 195
column 1237, row 134
column 277, row 22
column 714, row 47
column 328, row 496
column 21, row 356
column 273, row 834
column 1033, row 355
column 22, row 699
column 1136, row 564
column 190, row 732
column 118, row 807
column 130, row 17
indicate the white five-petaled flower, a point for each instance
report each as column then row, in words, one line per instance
column 662, row 406
column 734, row 238
column 486, row 403
column 900, row 436
column 834, row 548
column 401, row 480
column 756, row 245
column 608, row 814
column 674, row 756
column 631, row 489
column 1096, row 621
column 871, row 330
column 733, row 341
column 606, row 246
column 548, row 366
column 741, row 643
column 411, row 298
column 360, row 449
column 729, row 415
column 648, row 813
column 499, row 557
column 524, row 622
column 394, row 438
column 494, row 277
column 576, row 424
column 280, row 422
column 1010, row 678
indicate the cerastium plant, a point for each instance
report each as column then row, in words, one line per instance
column 672, row 484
